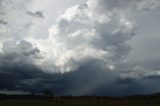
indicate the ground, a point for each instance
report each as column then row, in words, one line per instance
column 82, row 101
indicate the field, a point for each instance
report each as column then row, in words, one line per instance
column 82, row 101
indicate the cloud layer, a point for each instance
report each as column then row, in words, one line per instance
column 85, row 51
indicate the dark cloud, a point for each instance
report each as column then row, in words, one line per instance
column 126, row 80
column 37, row 14
column 13, row 74
column 152, row 76
column 88, row 79
column 3, row 22
column 16, row 63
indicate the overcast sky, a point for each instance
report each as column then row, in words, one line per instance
column 80, row 47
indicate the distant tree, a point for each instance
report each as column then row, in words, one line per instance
column 32, row 93
column 48, row 93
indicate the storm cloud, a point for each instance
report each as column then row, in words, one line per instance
column 84, row 51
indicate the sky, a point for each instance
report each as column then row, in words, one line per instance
column 80, row 47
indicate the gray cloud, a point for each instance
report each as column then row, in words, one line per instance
column 112, row 5
column 3, row 22
column 21, row 46
column 37, row 14
column 17, row 63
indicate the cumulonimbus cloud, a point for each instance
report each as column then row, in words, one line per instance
column 81, row 34
column 88, row 39
column 96, row 30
